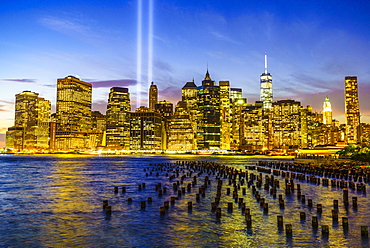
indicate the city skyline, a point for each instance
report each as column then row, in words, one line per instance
column 311, row 48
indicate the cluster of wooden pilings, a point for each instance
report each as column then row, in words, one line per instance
column 229, row 187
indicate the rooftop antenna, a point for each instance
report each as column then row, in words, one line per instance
column 265, row 63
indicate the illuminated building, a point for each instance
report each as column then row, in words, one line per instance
column 237, row 123
column 365, row 134
column 352, row 110
column 181, row 133
column 225, row 114
column 118, row 119
column 208, row 117
column 14, row 138
column 164, row 108
column 286, row 124
column 153, row 96
column 73, row 112
column 266, row 88
column 98, row 127
column 31, row 123
column 253, row 127
column 327, row 113
column 189, row 95
column 235, row 93
column 146, row 130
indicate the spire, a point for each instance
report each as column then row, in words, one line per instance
column 265, row 63
column 207, row 77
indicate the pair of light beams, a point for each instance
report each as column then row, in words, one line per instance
column 139, row 54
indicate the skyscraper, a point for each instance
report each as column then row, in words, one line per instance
column 225, row 112
column 146, row 130
column 73, row 113
column 208, row 119
column 327, row 113
column 180, row 134
column 153, row 96
column 266, row 88
column 31, row 123
column 352, row 110
column 189, row 95
column 118, row 119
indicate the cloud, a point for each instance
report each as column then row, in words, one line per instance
column 162, row 66
column 6, row 102
column 100, row 106
column 20, row 80
column 223, row 37
column 66, row 26
column 113, row 83
column 171, row 94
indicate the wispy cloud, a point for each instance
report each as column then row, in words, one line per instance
column 6, row 102
column 113, row 83
column 20, row 80
column 223, row 37
column 5, row 108
column 77, row 28
column 66, row 26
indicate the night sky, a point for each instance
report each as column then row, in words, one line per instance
column 311, row 47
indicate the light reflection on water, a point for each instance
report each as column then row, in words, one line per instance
column 56, row 201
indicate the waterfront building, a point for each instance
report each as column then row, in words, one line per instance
column 237, row 123
column 14, row 138
column 327, row 112
column 225, row 112
column 118, row 119
column 235, row 93
column 352, row 110
column 153, row 96
column 31, row 122
column 189, row 95
column 164, row 108
column 254, row 127
column 286, row 124
column 146, row 130
column 181, row 133
column 208, row 115
column 365, row 134
column 266, row 88
column 73, row 112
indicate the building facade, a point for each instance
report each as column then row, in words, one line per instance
column 153, row 96
column 266, row 88
column 327, row 112
column 118, row 119
column 73, row 113
column 352, row 110
column 146, row 130
column 208, row 115
column 31, row 122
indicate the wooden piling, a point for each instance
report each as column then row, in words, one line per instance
column 364, row 232
column 288, row 230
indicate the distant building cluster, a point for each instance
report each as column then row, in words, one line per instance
column 208, row 117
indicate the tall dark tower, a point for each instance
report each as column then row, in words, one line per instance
column 118, row 118
column 208, row 120
column 153, row 96
column 266, row 88
column 352, row 110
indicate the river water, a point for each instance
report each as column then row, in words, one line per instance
column 56, row 201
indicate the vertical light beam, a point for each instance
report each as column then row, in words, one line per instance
column 265, row 63
column 150, row 43
column 139, row 52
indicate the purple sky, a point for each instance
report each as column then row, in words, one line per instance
column 311, row 47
